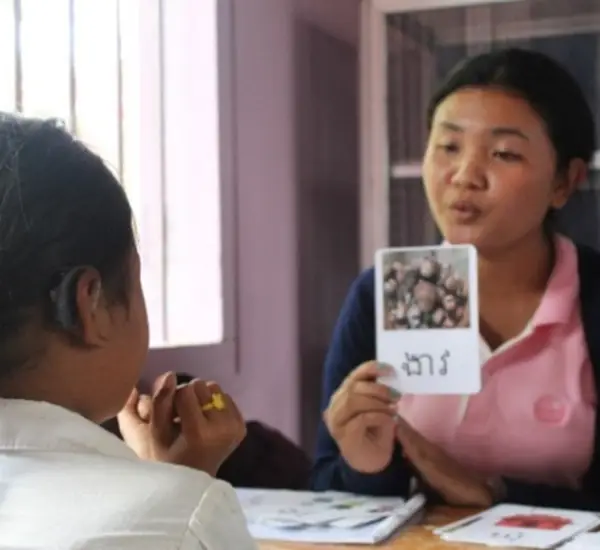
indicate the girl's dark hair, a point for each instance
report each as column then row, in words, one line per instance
column 549, row 88
column 60, row 208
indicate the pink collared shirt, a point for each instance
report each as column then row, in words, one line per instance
column 534, row 419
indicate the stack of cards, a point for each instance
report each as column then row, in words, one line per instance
column 428, row 319
column 522, row 526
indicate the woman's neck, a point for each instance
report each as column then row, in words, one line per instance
column 523, row 269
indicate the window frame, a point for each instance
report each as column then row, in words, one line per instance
column 222, row 358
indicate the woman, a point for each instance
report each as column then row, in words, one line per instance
column 73, row 340
column 510, row 139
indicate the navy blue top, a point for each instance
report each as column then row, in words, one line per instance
column 353, row 343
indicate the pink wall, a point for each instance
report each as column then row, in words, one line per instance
column 339, row 18
column 264, row 371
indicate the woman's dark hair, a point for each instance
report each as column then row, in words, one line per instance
column 60, row 208
column 549, row 88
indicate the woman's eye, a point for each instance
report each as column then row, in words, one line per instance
column 508, row 156
column 448, row 147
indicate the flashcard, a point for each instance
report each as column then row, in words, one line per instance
column 428, row 320
column 521, row 526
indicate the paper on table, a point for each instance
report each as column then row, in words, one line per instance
column 331, row 517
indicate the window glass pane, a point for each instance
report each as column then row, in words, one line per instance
column 7, row 56
column 45, row 48
column 192, row 170
column 129, row 21
column 97, row 84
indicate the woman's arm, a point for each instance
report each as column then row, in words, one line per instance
column 353, row 343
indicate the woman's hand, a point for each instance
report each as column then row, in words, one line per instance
column 360, row 417
column 457, row 485
column 200, row 439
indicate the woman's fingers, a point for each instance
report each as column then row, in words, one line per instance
column 375, row 391
column 363, row 397
column 359, row 394
column 369, row 371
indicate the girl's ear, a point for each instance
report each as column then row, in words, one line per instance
column 575, row 175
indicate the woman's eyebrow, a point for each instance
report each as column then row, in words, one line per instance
column 497, row 131
column 509, row 131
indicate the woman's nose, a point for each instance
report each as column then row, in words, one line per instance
column 469, row 173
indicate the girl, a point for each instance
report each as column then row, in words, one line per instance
column 73, row 340
column 510, row 139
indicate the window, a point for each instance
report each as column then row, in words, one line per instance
column 137, row 81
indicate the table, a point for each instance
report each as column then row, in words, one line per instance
column 418, row 537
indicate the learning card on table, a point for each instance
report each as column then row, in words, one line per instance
column 508, row 525
column 428, row 319
column 326, row 518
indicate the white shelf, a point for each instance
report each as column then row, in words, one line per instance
column 412, row 170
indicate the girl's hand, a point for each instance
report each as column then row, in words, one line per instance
column 200, row 439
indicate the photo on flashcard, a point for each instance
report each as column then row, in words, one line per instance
column 548, row 522
column 426, row 288
column 427, row 318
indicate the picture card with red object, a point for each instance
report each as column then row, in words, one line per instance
column 509, row 525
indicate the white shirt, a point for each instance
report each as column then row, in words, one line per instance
column 66, row 484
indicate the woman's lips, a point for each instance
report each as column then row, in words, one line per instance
column 464, row 211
